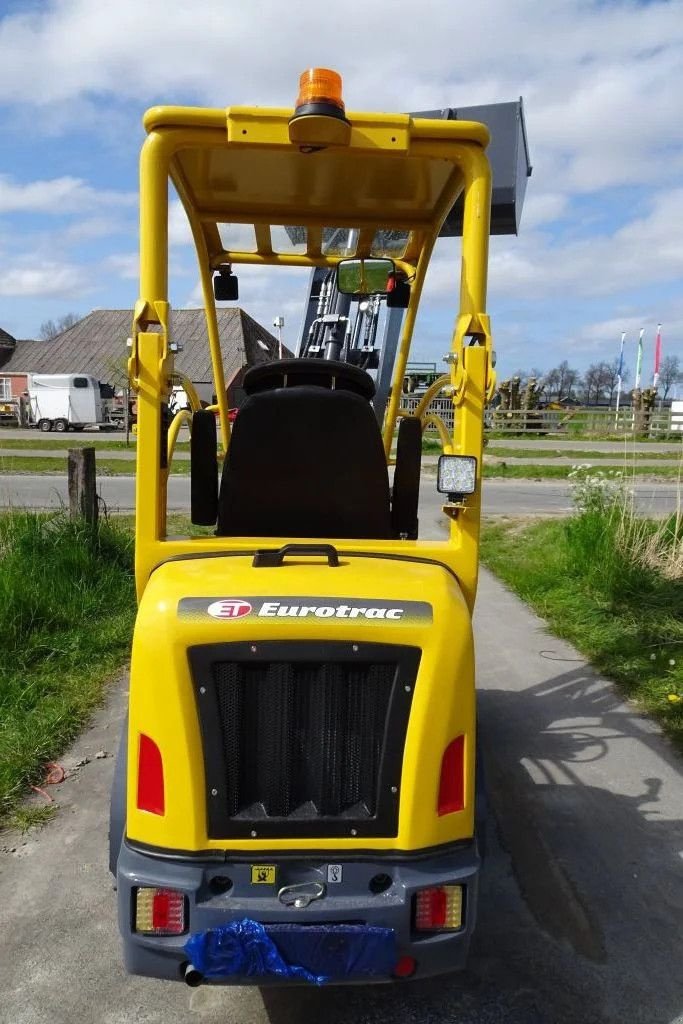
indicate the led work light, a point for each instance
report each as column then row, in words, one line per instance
column 457, row 474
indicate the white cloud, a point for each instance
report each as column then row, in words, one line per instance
column 543, row 208
column 645, row 251
column 179, row 232
column 44, row 279
column 599, row 79
column 56, row 196
column 125, row 265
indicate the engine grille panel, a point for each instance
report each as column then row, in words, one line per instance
column 303, row 740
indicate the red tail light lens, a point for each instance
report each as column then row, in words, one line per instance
column 438, row 909
column 150, row 777
column 452, row 784
column 159, row 912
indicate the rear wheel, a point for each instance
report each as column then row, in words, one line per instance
column 481, row 803
column 117, row 806
column 45, row 425
column 61, row 426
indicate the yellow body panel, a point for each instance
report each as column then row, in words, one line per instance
column 163, row 705
column 242, row 165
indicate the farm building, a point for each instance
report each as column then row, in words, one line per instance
column 96, row 345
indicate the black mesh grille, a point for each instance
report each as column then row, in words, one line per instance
column 302, row 740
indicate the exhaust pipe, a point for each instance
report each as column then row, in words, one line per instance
column 192, row 976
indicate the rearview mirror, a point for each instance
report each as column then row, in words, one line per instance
column 364, row 277
column 225, row 288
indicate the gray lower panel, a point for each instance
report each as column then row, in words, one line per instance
column 348, row 901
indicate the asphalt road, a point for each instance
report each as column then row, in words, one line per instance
column 501, row 497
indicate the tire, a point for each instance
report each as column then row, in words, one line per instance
column 117, row 804
column 481, row 803
column 61, row 426
column 45, row 425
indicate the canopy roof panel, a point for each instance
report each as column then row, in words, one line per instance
column 238, row 166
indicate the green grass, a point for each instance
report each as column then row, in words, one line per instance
column 627, row 619
column 627, row 454
column 68, row 605
column 526, row 471
column 47, row 442
column 579, row 435
column 29, row 816
column 34, row 466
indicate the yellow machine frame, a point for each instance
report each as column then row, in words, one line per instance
column 180, row 145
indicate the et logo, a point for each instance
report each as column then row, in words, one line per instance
column 229, row 608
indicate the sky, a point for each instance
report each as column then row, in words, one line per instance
column 600, row 247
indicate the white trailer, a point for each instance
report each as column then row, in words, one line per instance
column 64, row 401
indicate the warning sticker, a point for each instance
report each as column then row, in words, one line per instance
column 334, row 873
column 263, row 874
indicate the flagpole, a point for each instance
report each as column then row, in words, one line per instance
column 639, row 361
column 619, row 373
column 658, row 356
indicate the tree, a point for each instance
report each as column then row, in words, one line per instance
column 611, row 377
column 600, row 382
column 669, row 373
column 567, row 378
column 597, row 381
column 51, row 328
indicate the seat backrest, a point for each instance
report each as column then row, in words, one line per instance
column 304, row 461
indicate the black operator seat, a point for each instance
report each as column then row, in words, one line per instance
column 306, row 457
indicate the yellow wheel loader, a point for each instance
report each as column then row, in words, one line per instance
column 294, row 798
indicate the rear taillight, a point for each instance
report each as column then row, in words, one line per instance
column 405, row 967
column 150, row 777
column 452, row 783
column 438, row 908
column 160, row 912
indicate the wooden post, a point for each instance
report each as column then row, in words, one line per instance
column 82, row 484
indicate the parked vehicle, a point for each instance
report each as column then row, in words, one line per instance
column 65, row 401
column 295, row 794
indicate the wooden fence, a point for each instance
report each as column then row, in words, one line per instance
column 585, row 421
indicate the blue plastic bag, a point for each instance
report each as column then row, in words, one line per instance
column 312, row 953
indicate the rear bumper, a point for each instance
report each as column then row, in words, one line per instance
column 347, row 902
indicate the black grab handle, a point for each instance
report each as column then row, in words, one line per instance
column 269, row 557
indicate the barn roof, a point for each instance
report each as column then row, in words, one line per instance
column 97, row 345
